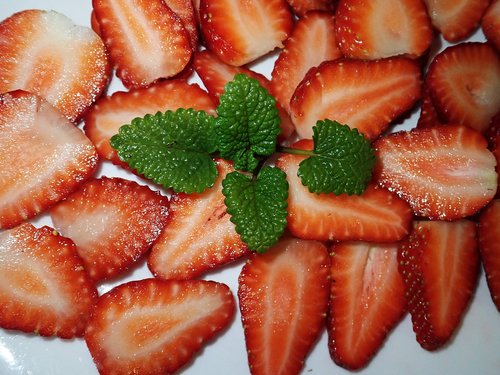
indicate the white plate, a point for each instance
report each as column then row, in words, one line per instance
column 474, row 350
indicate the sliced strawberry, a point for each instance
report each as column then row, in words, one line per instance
column 44, row 157
column 464, row 82
column 45, row 288
column 199, row 235
column 349, row 92
column 382, row 28
column 45, row 53
column 283, row 297
column 490, row 23
column 215, row 73
column 239, row 32
column 301, row 7
column 185, row 10
column 445, row 172
column 311, row 42
column 367, row 301
column 456, row 20
column 156, row 326
column 111, row 112
column 113, row 222
column 146, row 40
column 376, row 215
column 439, row 263
column 94, row 23
column 429, row 116
column 493, row 137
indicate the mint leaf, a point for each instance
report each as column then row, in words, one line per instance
column 247, row 123
column 342, row 162
column 172, row 149
column 257, row 206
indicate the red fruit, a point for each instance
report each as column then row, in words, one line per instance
column 301, row 7
column 376, row 215
column 45, row 53
column 283, row 297
column 439, row 263
column 382, row 28
column 490, row 23
column 350, row 92
column 456, row 20
column 428, row 113
column 45, row 289
column 111, row 112
column 44, row 157
column 112, row 221
column 184, row 9
column 367, row 301
column 156, row 326
column 464, row 82
column 445, row 172
column 239, row 32
column 489, row 246
column 311, row 42
column 199, row 235
column 146, row 40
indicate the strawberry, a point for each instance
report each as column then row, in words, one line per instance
column 456, row 20
column 464, row 82
column 367, row 301
column 185, row 10
column 349, row 92
column 311, row 42
column 382, row 28
column 199, row 235
column 59, row 159
column 428, row 113
column 45, row 53
column 111, row 112
column 113, row 222
column 301, row 7
column 155, row 326
column 376, row 215
column 146, row 40
column 493, row 137
column 45, row 288
column 439, row 263
column 239, row 32
column 490, row 23
column 283, row 296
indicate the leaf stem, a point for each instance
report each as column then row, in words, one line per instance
column 294, row 151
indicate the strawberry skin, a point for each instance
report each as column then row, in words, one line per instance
column 43, row 52
column 199, row 235
column 349, row 92
column 155, row 326
column 283, row 296
column 367, row 301
column 113, row 222
column 444, row 172
column 375, row 215
column 45, row 289
column 59, row 159
column 439, row 263
column 429, row 116
column 301, row 7
column 490, row 24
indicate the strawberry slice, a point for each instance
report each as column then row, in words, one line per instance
column 185, row 10
column 445, row 172
column 439, row 263
column 456, row 20
column 215, row 74
column 311, row 42
column 45, row 288
column 283, row 297
column 429, row 116
column 146, row 40
column 367, row 301
column 376, row 215
column 489, row 246
column 59, row 159
column 239, row 32
column 464, row 82
column 349, row 92
column 43, row 52
column 301, row 7
column 382, row 28
column 199, row 235
column 155, row 326
column 113, row 222
column 111, row 112
column 490, row 23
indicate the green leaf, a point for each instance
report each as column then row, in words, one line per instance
column 257, row 206
column 172, row 149
column 247, row 123
column 342, row 162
